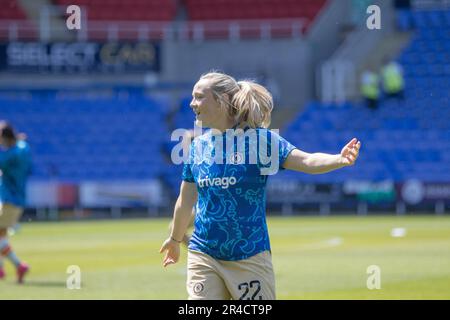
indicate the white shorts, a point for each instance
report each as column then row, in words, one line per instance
column 212, row 279
column 9, row 215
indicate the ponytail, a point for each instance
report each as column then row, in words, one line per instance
column 246, row 101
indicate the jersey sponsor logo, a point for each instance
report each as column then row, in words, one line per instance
column 223, row 182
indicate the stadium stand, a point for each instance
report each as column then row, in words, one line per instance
column 402, row 140
column 165, row 10
column 11, row 10
column 122, row 133
column 153, row 19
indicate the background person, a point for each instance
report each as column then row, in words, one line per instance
column 15, row 166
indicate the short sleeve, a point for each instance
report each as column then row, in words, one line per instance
column 187, row 170
column 273, row 151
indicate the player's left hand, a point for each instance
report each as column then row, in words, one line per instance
column 350, row 152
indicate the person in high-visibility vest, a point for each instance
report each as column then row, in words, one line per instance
column 370, row 89
column 392, row 79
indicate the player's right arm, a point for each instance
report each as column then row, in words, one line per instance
column 181, row 219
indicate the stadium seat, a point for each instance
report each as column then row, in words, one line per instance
column 122, row 140
column 11, row 10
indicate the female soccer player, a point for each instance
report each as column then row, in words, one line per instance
column 15, row 166
column 229, row 253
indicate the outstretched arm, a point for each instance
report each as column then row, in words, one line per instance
column 316, row 163
column 182, row 216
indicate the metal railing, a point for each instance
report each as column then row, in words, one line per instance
column 19, row 30
column 14, row 30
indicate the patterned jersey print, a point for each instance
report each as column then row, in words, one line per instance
column 230, row 173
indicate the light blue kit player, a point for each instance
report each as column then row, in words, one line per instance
column 15, row 167
column 229, row 254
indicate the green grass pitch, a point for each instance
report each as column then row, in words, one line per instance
column 314, row 258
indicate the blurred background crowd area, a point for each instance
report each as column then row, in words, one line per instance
column 98, row 104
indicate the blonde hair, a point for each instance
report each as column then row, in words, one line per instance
column 245, row 101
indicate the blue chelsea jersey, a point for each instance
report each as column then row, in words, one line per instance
column 230, row 172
